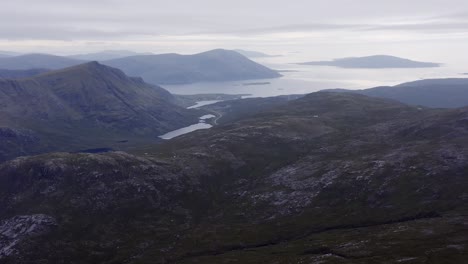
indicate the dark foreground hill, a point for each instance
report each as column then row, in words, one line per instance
column 374, row 62
column 444, row 93
column 85, row 106
column 327, row 178
column 210, row 66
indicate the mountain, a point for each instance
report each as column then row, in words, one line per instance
column 83, row 107
column 443, row 93
column 374, row 62
column 327, row 178
column 210, row 66
column 37, row 61
column 15, row 74
column 215, row 65
column 254, row 54
column 8, row 54
column 106, row 55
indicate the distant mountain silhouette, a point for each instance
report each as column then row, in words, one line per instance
column 254, row 54
column 374, row 62
column 210, row 66
column 106, row 55
column 4, row 54
column 443, row 93
column 14, row 74
column 37, row 61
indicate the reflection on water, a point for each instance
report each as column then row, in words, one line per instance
column 185, row 130
column 203, row 103
column 202, row 118
column 188, row 129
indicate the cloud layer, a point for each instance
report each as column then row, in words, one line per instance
column 91, row 24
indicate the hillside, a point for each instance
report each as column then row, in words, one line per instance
column 443, row 93
column 210, row 66
column 327, row 178
column 37, row 61
column 85, row 106
column 374, row 62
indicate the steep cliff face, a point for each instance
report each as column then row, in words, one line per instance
column 328, row 178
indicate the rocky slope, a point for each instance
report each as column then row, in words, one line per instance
column 327, row 178
column 85, row 106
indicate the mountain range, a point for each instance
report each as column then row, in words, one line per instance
column 211, row 66
column 374, row 62
column 442, row 93
column 81, row 107
column 15, row 74
column 107, row 55
column 326, row 178
column 37, row 61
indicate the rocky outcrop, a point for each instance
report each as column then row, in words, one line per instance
column 15, row 230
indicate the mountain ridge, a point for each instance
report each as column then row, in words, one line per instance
column 441, row 93
column 87, row 106
column 172, row 68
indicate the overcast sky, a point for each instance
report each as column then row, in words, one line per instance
column 425, row 28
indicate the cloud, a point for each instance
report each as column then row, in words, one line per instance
column 210, row 23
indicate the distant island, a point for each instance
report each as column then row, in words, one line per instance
column 211, row 66
column 374, row 62
column 254, row 54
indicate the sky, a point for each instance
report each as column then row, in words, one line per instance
column 430, row 30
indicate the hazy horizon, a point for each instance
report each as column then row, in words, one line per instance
column 421, row 30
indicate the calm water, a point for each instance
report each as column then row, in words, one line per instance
column 203, row 103
column 188, row 129
column 301, row 79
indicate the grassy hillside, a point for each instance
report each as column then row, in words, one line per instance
column 85, row 106
column 329, row 178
